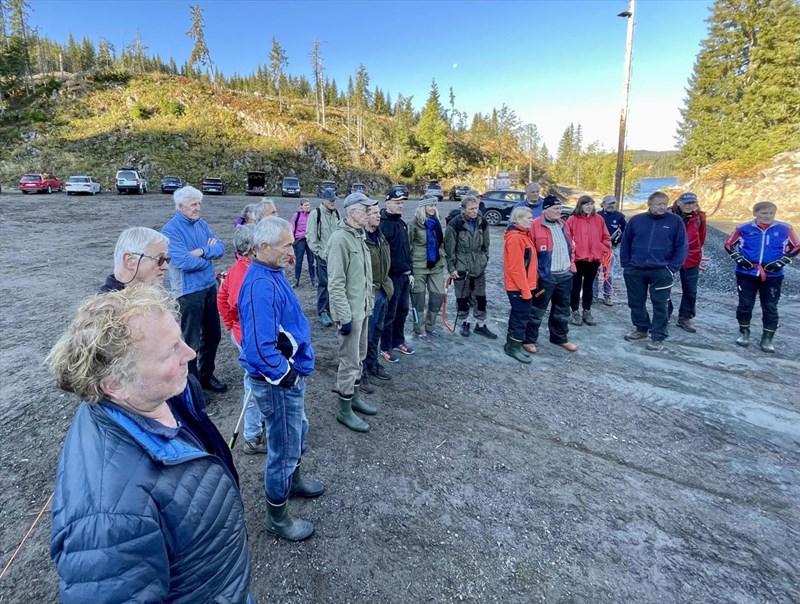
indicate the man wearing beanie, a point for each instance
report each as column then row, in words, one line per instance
column 556, row 268
column 652, row 251
column 694, row 220
column 615, row 223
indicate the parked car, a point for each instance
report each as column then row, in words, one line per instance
column 327, row 185
column 459, row 191
column 290, row 187
column 496, row 205
column 256, row 183
column 170, row 184
column 39, row 183
column 357, row 187
column 434, row 189
column 397, row 192
column 128, row 180
column 81, row 184
column 213, row 185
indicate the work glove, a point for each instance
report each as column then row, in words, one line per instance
column 616, row 238
column 346, row 328
column 777, row 265
column 742, row 261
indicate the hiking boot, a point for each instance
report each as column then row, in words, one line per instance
column 404, row 349
column 380, row 373
column 766, row 341
column 513, row 348
column 425, row 337
column 576, row 319
column 607, row 301
column 362, row 406
column 214, row 385
column 636, row 335
column 485, row 331
column 305, row 487
column 389, row 356
column 465, row 329
column 346, row 416
column 365, row 384
column 255, row 446
column 744, row 336
column 655, row 345
column 279, row 522
column 588, row 318
column 296, row 284
column 325, row 319
column 685, row 323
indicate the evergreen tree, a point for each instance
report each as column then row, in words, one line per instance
column 743, row 98
column 277, row 64
column 200, row 53
column 319, row 85
column 436, row 158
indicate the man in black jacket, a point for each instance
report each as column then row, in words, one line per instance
column 140, row 256
column 653, row 249
column 393, row 339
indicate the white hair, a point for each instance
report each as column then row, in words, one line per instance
column 135, row 240
column 243, row 238
column 269, row 231
column 185, row 195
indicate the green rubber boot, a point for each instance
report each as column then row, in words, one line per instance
column 766, row 340
column 348, row 418
column 305, row 487
column 513, row 348
column 279, row 522
column 744, row 336
column 361, row 406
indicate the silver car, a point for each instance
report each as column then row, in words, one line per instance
column 81, row 184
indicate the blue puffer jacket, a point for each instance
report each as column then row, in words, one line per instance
column 187, row 273
column 140, row 515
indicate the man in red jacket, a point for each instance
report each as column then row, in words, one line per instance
column 687, row 207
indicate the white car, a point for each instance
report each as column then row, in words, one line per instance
column 81, row 184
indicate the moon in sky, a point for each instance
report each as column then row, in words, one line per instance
column 455, row 65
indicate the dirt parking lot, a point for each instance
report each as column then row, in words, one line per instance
column 609, row 475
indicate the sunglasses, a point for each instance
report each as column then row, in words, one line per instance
column 161, row 260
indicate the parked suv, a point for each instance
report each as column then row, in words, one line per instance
column 170, row 184
column 129, row 180
column 397, row 192
column 459, row 191
column 39, row 183
column 433, row 189
column 256, row 183
column 496, row 205
column 327, row 185
column 357, row 187
column 213, row 185
column 290, row 187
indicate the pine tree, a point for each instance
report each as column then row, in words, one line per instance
column 200, row 53
column 319, row 85
column 277, row 64
column 431, row 133
column 743, row 98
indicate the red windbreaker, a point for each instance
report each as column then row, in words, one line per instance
column 520, row 265
column 228, row 297
column 695, row 225
column 589, row 237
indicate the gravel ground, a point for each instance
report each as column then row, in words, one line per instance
column 611, row 474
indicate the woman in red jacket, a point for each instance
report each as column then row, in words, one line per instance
column 520, row 274
column 590, row 239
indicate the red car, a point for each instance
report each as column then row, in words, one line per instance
column 39, row 183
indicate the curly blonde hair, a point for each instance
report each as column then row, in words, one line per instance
column 99, row 344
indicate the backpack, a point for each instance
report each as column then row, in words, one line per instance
column 453, row 214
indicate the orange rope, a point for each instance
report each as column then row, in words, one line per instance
column 605, row 266
column 447, row 283
column 30, row 530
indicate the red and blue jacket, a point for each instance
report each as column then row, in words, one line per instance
column 762, row 245
column 543, row 246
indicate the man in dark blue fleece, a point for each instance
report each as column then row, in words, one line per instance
column 653, row 249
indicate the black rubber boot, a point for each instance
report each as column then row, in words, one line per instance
column 362, row 407
column 744, row 336
column 513, row 348
column 766, row 341
column 348, row 418
column 305, row 487
column 279, row 522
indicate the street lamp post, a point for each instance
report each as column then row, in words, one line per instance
column 630, row 14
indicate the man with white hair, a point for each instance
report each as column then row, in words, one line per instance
column 352, row 300
column 140, row 256
column 192, row 249
column 277, row 357
column 533, row 199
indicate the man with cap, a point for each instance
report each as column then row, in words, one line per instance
column 321, row 223
column 556, row 263
column 652, row 251
column 533, row 199
column 352, row 300
column 694, row 220
column 615, row 223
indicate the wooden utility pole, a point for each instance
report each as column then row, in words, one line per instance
column 630, row 14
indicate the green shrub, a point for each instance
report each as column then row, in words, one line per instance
column 140, row 111
column 173, row 107
column 37, row 115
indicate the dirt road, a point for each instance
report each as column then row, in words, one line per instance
column 611, row 474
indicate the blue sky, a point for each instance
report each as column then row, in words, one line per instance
column 552, row 62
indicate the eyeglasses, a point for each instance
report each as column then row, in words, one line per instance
column 161, row 260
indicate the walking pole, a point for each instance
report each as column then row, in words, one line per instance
column 241, row 419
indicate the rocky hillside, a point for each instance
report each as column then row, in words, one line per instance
column 727, row 197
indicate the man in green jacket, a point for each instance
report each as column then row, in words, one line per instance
column 351, row 299
column 466, row 243
column 321, row 223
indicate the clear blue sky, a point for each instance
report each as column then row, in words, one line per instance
column 552, row 62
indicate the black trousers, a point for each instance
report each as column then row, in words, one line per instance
column 554, row 291
column 396, row 313
column 658, row 282
column 585, row 273
column 519, row 317
column 323, row 301
column 200, row 330
column 768, row 291
column 689, row 279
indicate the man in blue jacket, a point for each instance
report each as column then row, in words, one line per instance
column 277, row 357
column 615, row 223
column 653, row 249
column 192, row 248
column 147, row 505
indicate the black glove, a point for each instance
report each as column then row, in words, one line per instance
column 345, row 328
column 742, row 261
column 289, row 380
column 777, row 265
column 616, row 238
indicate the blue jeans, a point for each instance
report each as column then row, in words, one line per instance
column 287, row 426
column 301, row 249
column 252, row 415
column 376, row 328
